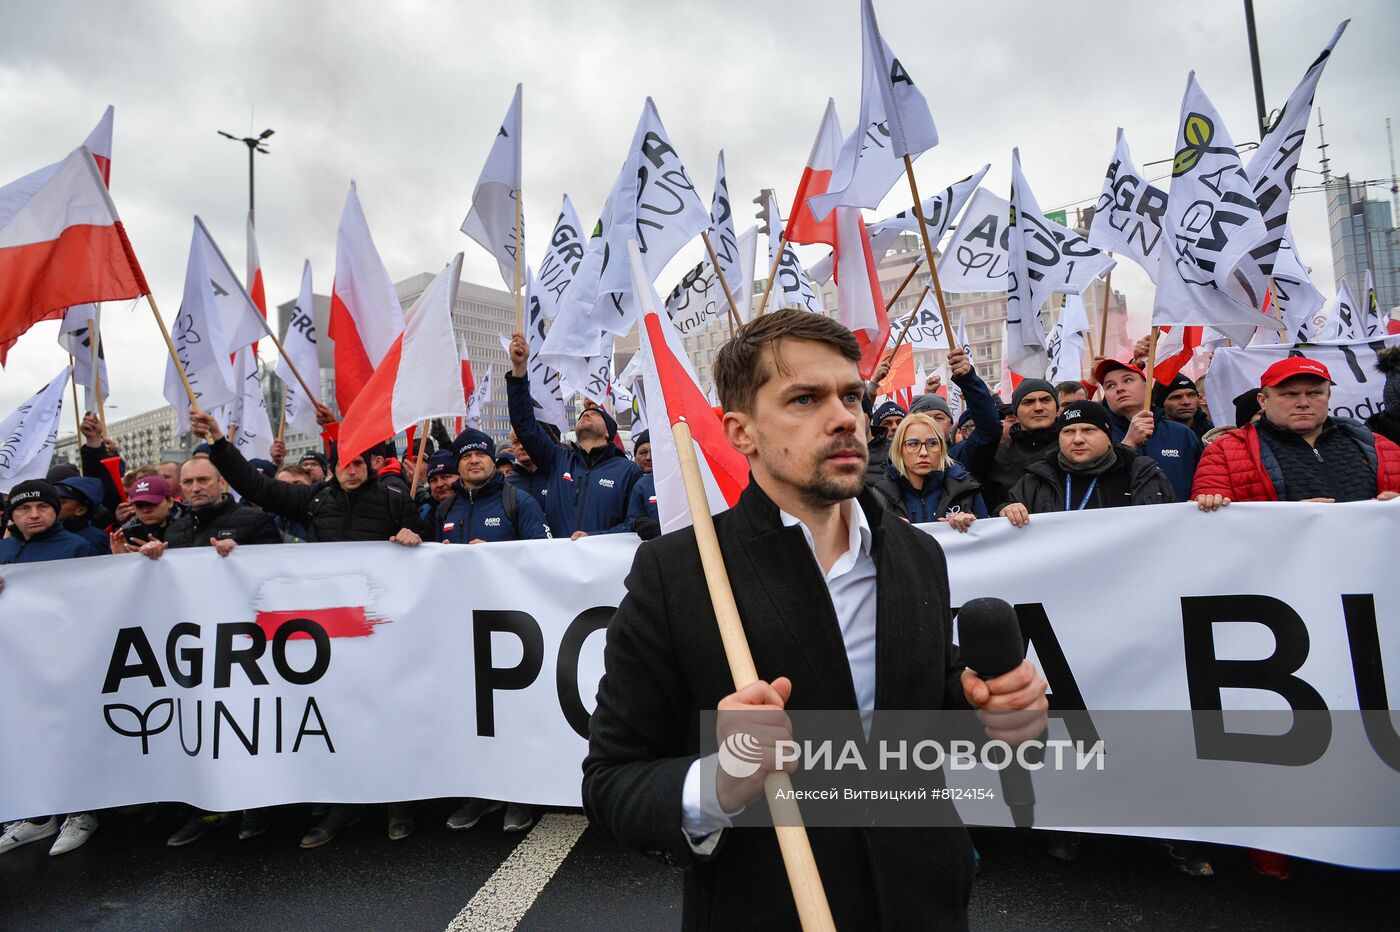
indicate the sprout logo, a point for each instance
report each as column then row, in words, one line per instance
column 740, row 755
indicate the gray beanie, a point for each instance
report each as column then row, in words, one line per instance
column 1028, row 386
column 930, row 403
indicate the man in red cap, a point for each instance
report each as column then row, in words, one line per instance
column 1297, row 452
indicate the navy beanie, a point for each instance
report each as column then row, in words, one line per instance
column 265, row 467
column 610, row 422
column 441, row 462
column 473, row 439
column 639, row 439
column 888, row 409
column 34, row 490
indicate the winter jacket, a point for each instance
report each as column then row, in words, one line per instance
column 943, row 492
column 1008, row 463
column 1386, row 424
column 327, row 511
column 584, row 491
column 1136, row 479
column 533, row 481
column 486, row 514
column 1200, row 424
column 643, row 501
column 391, row 475
column 226, row 519
column 977, row 452
column 1243, row 469
column 1174, row 446
column 138, row 533
column 52, row 544
column 82, row 526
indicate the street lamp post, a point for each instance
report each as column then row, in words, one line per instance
column 254, row 144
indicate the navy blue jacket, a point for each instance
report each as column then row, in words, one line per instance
column 977, row 451
column 83, row 527
column 481, row 515
column 953, row 489
column 53, row 544
column 584, row 491
column 642, row 504
column 535, row 482
column 1174, row 446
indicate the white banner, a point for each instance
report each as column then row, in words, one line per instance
column 1358, row 391
column 340, row 673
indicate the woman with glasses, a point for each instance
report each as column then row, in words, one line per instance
column 922, row 483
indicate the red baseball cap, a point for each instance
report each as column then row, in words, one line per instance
column 1285, row 369
column 151, row 490
column 1109, row 365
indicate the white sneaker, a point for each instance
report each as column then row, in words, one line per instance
column 23, row 832
column 76, row 830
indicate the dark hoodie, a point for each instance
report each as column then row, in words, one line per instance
column 584, row 491
column 943, row 492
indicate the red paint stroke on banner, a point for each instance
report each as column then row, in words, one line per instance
column 349, row 621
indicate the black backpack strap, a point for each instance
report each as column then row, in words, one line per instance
column 511, row 507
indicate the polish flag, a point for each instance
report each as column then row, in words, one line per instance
column 61, row 244
column 1175, row 348
column 672, row 395
column 468, row 380
column 860, row 303
column 417, row 379
column 99, row 143
column 366, row 317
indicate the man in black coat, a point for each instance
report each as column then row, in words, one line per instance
column 212, row 519
column 351, row 505
column 829, row 589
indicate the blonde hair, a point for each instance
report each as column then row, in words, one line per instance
column 897, row 443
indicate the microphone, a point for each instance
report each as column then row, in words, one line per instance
column 989, row 638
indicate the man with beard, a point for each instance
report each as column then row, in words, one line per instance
column 830, row 587
column 589, row 481
column 1180, row 401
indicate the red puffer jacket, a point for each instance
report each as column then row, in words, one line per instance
column 1234, row 467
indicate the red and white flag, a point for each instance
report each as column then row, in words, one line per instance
column 672, row 395
column 366, row 317
column 418, row 378
column 1175, row 348
column 61, row 244
column 860, row 303
column 99, row 143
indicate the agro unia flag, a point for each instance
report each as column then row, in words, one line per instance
column 1271, row 172
column 576, row 347
column 1294, row 295
column 1212, row 222
column 546, row 389
column 939, row 213
column 1128, row 213
column 299, row 342
column 956, row 403
column 491, row 221
column 1065, row 345
column 1344, row 318
column 894, row 122
column 27, row 436
column 418, row 379
column 561, row 260
column 722, row 236
column 654, row 203
column 673, row 396
column 80, row 337
column 793, row 286
column 481, row 397
column 249, row 410
column 1370, row 309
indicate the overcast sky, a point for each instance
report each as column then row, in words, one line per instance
column 405, row 97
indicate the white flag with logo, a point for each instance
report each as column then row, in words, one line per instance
column 939, row 213
column 956, row 403
column 1065, row 346
column 894, row 122
column 1212, row 222
column 1370, row 309
column 476, row 407
column 1344, row 318
column 81, row 329
column 722, row 236
column 27, row 436
column 546, row 390
column 198, row 335
column 561, row 260
column 654, row 203
column 249, row 410
column 491, row 219
column 1271, row 172
column 793, row 287
column 299, row 342
column 1128, row 214
column 575, row 346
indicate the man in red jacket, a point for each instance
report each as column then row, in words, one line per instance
column 1297, row 452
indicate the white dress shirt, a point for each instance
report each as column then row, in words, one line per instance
column 851, row 584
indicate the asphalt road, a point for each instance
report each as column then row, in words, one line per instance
column 564, row 875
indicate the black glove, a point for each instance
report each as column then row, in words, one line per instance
column 440, row 435
column 647, row 528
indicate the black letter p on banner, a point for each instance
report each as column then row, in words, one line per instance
column 491, row 678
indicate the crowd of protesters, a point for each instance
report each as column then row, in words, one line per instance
column 1051, row 449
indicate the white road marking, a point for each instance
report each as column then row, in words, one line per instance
column 509, row 893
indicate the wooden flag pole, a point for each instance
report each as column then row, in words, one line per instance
column 170, row 345
column 1151, row 364
column 898, row 292
column 282, row 420
column 418, row 458
column 734, row 319
column 908, row 323
column 95, row 349
column 519, row 313
column 772, row 273
column 813, row 912
column 1103, row 313
column 77, row 415
column 928, row 251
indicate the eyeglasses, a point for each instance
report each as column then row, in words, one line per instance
column 931, row 444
